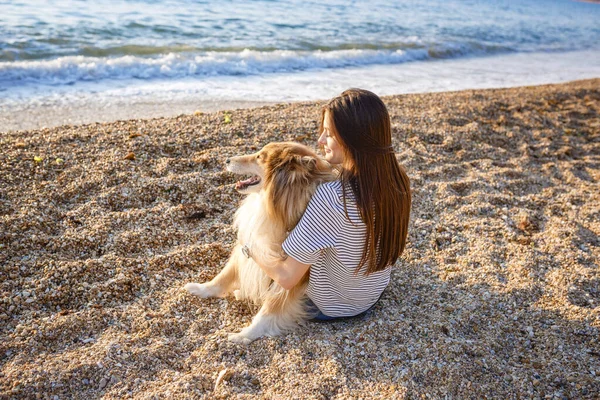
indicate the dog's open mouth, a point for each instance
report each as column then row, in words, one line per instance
column 241, row 185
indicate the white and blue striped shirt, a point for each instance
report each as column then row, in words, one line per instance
column 333, row 245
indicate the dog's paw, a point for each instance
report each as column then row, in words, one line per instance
column 239, row 338
column 237, row 294
column 201, row 290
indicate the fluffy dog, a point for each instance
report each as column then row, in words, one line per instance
column 284, row 176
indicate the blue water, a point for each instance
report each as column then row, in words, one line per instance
column 80, row 53
column 64, row 42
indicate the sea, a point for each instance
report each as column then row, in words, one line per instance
column 131, row 58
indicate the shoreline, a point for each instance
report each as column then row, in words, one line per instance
column 45, row 117
column 33, row 108
column 495, row 296
column 57, row 115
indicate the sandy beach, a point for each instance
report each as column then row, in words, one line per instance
column 496, row 296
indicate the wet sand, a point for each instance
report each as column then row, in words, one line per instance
column 496, row 296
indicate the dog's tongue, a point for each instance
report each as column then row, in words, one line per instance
column 247, row 182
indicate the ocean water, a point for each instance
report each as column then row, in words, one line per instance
column 74, row 52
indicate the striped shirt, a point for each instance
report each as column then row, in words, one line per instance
column 333, row 245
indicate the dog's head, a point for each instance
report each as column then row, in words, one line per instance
column 278, row 164
column 288, row 172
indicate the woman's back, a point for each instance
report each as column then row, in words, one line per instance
column 332, row 241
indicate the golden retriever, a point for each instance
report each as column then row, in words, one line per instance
column 284, row 176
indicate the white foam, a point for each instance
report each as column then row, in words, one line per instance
column 73, row 69
column 104, row 101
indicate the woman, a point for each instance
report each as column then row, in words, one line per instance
column 354, row 229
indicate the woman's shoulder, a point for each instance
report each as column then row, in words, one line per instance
column 333, row 187
column 330, row 192
column 328, row 196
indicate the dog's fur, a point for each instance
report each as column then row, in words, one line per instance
column 288, row 175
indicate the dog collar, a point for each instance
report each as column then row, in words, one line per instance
column 246, row 251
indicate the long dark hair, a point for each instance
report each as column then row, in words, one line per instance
column 381, row 188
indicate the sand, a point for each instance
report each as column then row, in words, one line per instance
column 58, row 111
column 496, row 296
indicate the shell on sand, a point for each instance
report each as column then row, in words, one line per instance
column 497, row 294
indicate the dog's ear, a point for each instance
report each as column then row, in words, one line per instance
column 309, row 162
column 286, row 185
column 316, row 164
column 297, row 166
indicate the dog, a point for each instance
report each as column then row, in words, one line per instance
column 283, row 177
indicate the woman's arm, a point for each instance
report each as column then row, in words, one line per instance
column 286, row 273
column 316, row 230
